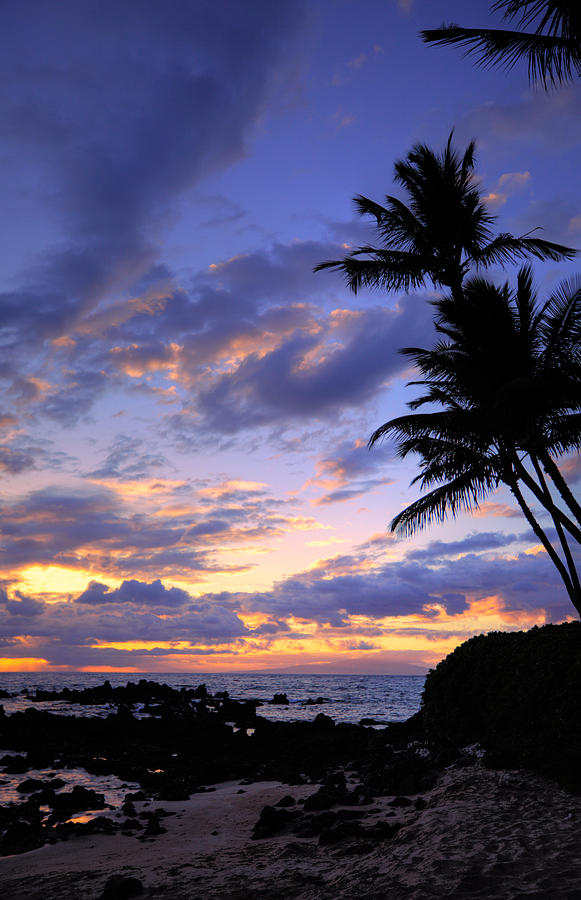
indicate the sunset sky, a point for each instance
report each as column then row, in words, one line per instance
column 186, row 405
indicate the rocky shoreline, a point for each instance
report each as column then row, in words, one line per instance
column 209, row 787
column 189, row 742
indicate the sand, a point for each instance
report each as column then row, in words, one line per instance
column 483, row 834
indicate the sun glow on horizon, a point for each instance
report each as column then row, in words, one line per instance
column 54, row 580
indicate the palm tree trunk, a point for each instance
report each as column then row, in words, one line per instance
column 552, row 553
column 559, row 528
column 565, row 491
column 548, row 503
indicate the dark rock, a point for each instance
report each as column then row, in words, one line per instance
column 407, row 773
column 153, row 826
column 401, row 801
column 35, row 784
column 120, row 887
column 420, row 804
column 45, row 797
column 287, row 800
column 401, row 733
column 323, row 721
column 77, row 800
column 14, row 765
column 54, row 783
column 310, row 826
column 272, row 821
column 279, row 699
column 173, row 790
column 128, row 809
column 341, row 831
column 331, row 794
column 336, row 780
column 20, row 837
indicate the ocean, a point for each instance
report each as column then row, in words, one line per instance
column 349, row 698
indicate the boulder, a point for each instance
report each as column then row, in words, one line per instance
column 121, row 887
column 272, row 821
column 279, row 699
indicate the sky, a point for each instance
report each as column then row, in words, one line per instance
column 185, row 481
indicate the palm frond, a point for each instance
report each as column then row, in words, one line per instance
column 390, row 270
column 367, row 207
column 461, row 494
column 505, row 248
column 551, row 58
column 564, row 435
column 561, row 325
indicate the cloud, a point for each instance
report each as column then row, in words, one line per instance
column 127, row 460
column 65, row 626
column 352, row 471
column 23, row 606
column 508, row 184
column 497, row 510
column 23, row 454
column 450, row 575
column 115, row 136
column 163, row 528
column 252, row 341
column 472, row 543
column 137, row 592
column 538, row 118
column 314, row 373
column 355, row 599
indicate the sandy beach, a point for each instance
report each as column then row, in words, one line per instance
column 482, row 834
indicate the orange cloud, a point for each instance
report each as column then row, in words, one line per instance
column 499, row 510
column 24, row 664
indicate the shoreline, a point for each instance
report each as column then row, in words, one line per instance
column 482, row 833
column 271, row 810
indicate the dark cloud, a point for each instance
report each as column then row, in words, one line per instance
column 129, row 460
column 351, row 471
column 20, row 452
column 135, row 617
column 310, row 375
column 345, row 586
column 23, row 606
column 114, row 112
column 137, row 592
column 540, row 117
column 472, row 543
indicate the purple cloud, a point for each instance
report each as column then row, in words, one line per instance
column 137, row 592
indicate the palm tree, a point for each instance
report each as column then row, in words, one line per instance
column 506, row 382
column 552, row 49
column 443, row 231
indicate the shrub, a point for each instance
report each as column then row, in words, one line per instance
column 518, row 695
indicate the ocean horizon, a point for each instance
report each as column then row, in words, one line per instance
column 346, row 697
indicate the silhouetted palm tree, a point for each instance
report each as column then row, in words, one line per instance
column 552, row 49
column 442, row 232
column 506, row 381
